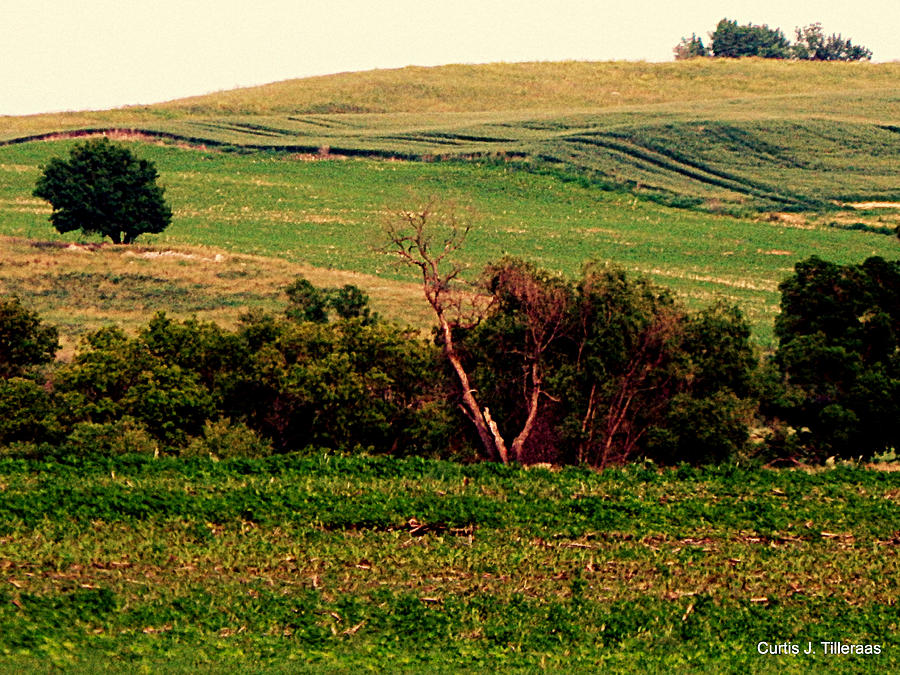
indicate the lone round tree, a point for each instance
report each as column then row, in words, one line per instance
column 103, row 188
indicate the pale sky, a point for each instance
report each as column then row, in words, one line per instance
column 94, row 54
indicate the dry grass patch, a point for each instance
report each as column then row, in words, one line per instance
column 82, row 287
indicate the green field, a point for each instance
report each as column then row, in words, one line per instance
column 331, row 564
column 329, row 214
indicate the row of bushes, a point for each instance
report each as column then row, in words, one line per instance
column 627, row 373
column 272, row 383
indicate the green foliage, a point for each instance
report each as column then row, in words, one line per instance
column 839, row 329
column 343, row 384
column 623, row 371
column 24, row 340
column 104, row 189
column 116, row 377
column 813, row 45
column 733, row 41
column 224, row 439
column 690, row 48
column 350, row 302
column 170, row 401
column 108, row 439
column 28, row 412
column 309, row 303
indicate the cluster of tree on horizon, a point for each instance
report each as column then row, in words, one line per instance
column 731, row 40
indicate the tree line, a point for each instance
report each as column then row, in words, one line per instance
column 731, row 40
column 524, row 366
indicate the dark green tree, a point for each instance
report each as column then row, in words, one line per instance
column 104, row 189
column 839, row 350
column 307, row 302
column 812, row 44
column 24, row 340
column 351, row 302
column 26, row 406
column 731, row 40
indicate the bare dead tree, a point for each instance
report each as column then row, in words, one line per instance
column 428, row 238
column 643, row 387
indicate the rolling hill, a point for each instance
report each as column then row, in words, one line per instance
column 564, row 162
column 741, row 135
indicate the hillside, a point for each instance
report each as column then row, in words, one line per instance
column 126, row 548
column 504, row 87
column 570, row 85
column 550, row 181
column 749, row 134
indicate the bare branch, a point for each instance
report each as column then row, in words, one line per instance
column 428, row 238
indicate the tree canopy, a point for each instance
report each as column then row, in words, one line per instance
column 839, row 333
column 732, row 40
column 24, row 339
column 104, row 189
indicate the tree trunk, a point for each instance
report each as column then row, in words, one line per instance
column 518, row 445
column 487, row 429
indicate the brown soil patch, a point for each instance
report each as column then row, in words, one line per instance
column 317, row 157
column 888, row 467
column 175, row 254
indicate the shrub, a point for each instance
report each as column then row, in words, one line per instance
column 24, row 340
column 813, row 44
column 224, row 439
column 123, row 436
column 342, row 384
column 309, row 303
column 116, row 376
column 170, row 402
column 733, row 41
column 690, row 48
column 27, row 411
column 306, row 302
